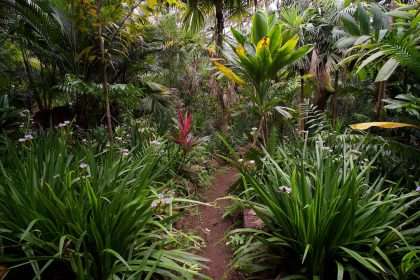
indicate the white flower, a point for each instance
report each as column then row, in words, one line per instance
column 254, row 129
column 26, row 137
column 240, row 160
column 154, row 204
column 83, row 165
column 251, row 162
column 167, row 200
column 63, row 124
column 285, row 189
column 155, row 142
column 118, row 138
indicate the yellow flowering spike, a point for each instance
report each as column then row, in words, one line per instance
column 263, row 44
column 228, row 73
column 240, row 51
column 364, row 126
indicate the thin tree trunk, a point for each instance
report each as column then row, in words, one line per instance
column 301, row 102
column 104, row 71
column 220, row 25
column 379, row 100
column 31, row 81
column 334, row 99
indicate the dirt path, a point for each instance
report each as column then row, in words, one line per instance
column 215, row 226
column 209, row 223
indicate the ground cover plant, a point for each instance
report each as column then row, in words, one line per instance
column 93, row 212
column 324, row 213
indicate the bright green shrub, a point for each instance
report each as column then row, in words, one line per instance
column 325, row 218
column 92, row 211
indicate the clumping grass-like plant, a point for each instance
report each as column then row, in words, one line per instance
column 91, row 211
column 327, row 219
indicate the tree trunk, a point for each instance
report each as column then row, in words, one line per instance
column 379, row 100
column 105, row 88
column 334, row 99
column 301, row 102
column 220, row 25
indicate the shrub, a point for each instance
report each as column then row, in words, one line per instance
column 92, row 211
column 327, row 219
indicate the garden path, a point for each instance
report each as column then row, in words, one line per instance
column 215, row 227
column 212, row 227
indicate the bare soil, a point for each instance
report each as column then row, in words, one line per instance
column 211, row 226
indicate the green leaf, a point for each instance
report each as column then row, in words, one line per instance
column 370, row 59
column 359, row 258
column 387, row 70
column 239, row 37
column 364, row 19
column 350, row 25
column 259, row 26
column 340, row 271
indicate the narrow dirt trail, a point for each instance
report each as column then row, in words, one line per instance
column 215, row 227
column 211, row 226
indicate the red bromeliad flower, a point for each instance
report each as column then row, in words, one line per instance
column 185, row 138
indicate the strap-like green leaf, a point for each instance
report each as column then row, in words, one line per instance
column 387, row 70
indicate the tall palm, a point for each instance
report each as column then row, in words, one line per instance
column 194, row 16
column 194, row 19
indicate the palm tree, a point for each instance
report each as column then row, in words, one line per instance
column 194, row 17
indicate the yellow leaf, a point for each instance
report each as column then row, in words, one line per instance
column 151, row 3
column 364, row 126
column 228, row 73
column 240, row 51
column 263, row 44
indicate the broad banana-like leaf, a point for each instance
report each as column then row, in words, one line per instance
column 367, row 125
column 228, row 73
column 387, row 70
column 259, row 26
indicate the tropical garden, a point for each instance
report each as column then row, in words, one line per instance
column 198, row 139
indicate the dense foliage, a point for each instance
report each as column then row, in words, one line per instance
column 114, row 113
